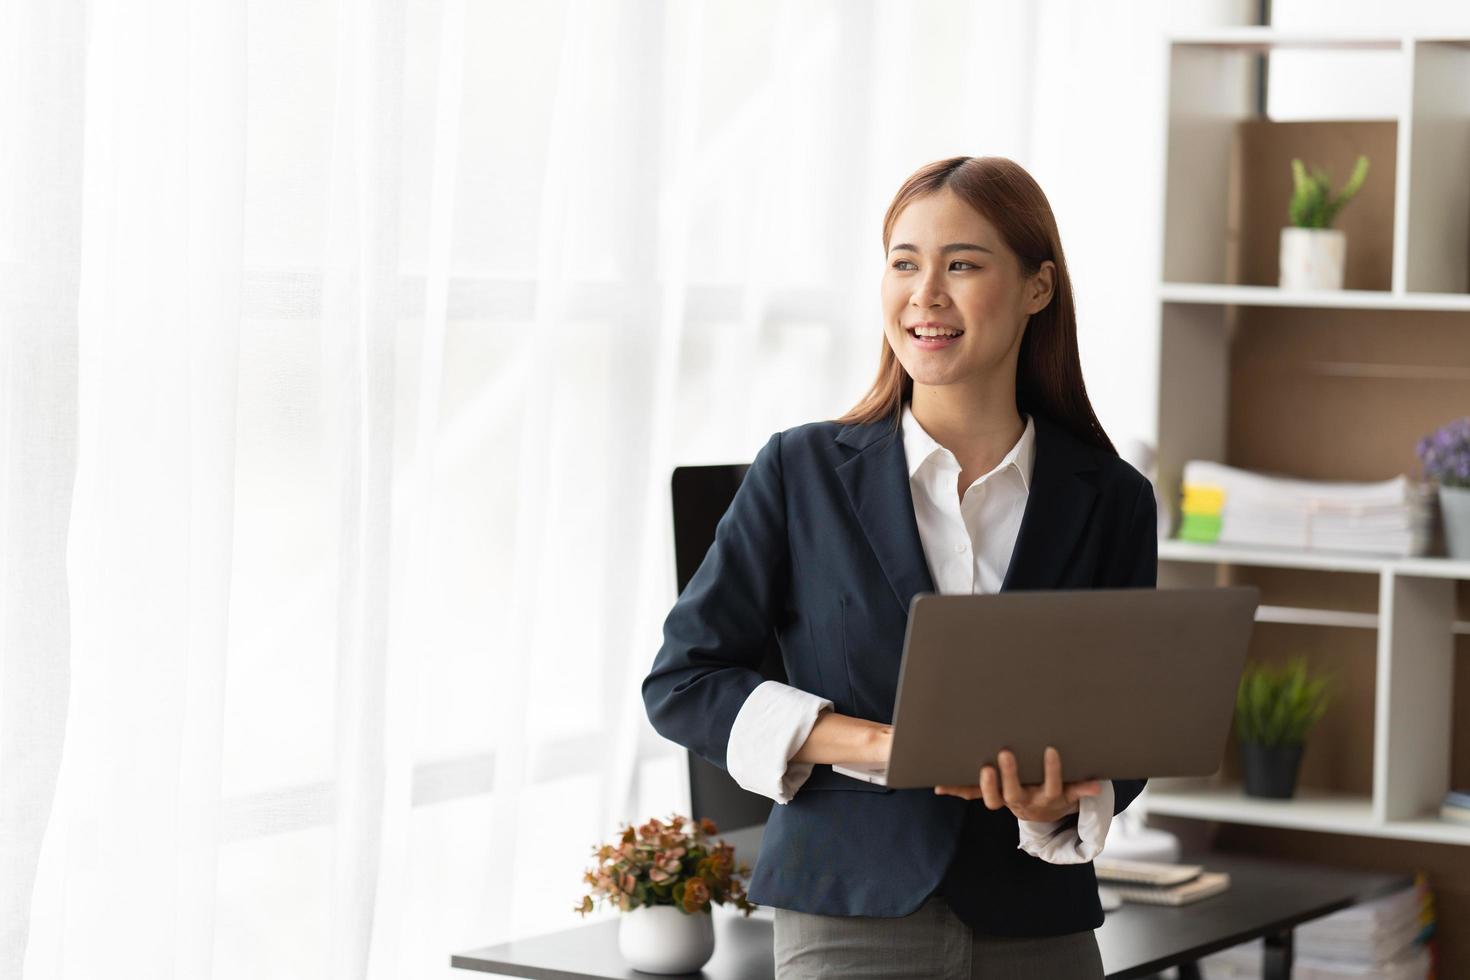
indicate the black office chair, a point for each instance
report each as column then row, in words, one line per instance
column 701, row 495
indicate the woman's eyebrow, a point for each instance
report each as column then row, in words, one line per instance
column 951, row 247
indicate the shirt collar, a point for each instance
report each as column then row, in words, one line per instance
column 919, row 446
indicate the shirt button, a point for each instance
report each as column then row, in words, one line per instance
column 959, row 546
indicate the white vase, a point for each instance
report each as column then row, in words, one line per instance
column 665, row 939
column 1454, row 509
column 1312, row 258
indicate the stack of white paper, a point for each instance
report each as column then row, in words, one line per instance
column 1368, row 932
column 1374, row 939
column 1389, row 517
column 1244, row 963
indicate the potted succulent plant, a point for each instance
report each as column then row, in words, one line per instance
column 665, row 876
column 1445, row 453
column 1275, row 706
column 1313, row 253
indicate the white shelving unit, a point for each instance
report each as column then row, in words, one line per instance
column 1341, row 299
column 1210, row 79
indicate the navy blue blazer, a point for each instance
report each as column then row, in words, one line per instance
column 820, row 544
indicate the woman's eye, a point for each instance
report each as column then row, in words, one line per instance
column 903, row 262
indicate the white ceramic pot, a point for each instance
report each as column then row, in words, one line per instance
column 1312, row 258
column 665, row 939
column 1454, row 508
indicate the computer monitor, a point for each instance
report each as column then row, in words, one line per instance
column 701, row 495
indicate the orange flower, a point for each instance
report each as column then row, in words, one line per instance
column 696, row 895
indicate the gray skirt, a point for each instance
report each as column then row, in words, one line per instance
column 929, row 942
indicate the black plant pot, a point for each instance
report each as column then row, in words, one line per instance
column 1270, row 770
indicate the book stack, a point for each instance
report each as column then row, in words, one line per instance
column 1226, row 505
column 1387, row 938
column 1158, row 883
column 1456, row 806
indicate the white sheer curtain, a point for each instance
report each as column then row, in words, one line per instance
column 345, row 351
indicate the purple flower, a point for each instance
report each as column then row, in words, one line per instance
column 1445, row 453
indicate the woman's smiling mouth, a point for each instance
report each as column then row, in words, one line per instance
column 935, row 336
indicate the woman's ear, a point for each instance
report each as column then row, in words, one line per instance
column 1040, row 286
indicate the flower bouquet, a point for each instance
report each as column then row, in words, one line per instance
column 667, row 875
column 1445, row 453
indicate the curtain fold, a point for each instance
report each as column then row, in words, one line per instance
column 126, row 864
column 346, row 350
column 359, row 329
column 40, row 214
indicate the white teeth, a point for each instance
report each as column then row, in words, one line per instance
column 935, row 332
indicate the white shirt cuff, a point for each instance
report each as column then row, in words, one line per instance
column 1058, row 844
column 771, row 727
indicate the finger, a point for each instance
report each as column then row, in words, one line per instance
column 990, row 788
column 963, row 792
column 1010, row 785
column 1086, row 787
column 1051, row 786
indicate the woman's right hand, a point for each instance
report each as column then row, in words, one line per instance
column 843, row 739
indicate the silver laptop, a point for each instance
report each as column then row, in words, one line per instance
column 1126, row 683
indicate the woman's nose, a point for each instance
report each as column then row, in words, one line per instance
column 929, row 289
column 928, row 293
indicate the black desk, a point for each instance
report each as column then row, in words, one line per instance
column 1265, row 899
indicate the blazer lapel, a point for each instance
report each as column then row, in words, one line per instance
column 1063, row 492
column 1058, row 505
column 877, row 484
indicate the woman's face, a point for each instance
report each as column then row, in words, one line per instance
column 947, row 265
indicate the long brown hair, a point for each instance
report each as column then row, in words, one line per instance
column 1048, row 371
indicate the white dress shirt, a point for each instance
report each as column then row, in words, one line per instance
column 967, row 545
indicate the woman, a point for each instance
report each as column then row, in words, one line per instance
column 975, row 464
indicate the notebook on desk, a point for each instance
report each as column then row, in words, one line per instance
column 1158, row 882
column 1126, row 683
column 1204, row 885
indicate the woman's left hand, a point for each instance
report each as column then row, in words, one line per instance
column 1051, row 800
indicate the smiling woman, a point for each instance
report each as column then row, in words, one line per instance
column 971, row 248
column 939, row 290
column 974, row 464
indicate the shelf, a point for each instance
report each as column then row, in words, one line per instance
column 1327, row 561
column 1334, row 813
column 1428, row 828
column 1311, row 809
column 1335, row 299
column 1297, row 616
column 1431, row 568
column 1254, row 38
